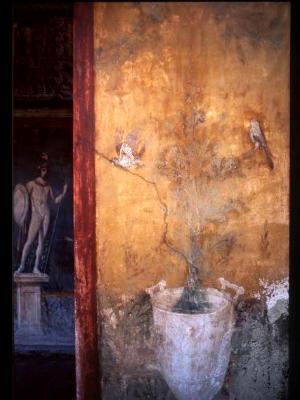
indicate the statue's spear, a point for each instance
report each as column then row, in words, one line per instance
column 52, row 233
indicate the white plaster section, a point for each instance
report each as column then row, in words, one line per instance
column 276, row 295
column 278, row 290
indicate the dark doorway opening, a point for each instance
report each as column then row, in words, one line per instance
column 44, row 361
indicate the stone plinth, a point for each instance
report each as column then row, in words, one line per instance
column 29, row 301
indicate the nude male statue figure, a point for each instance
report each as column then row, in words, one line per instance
column 39, row 191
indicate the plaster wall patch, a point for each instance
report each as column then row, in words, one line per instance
column 276, row 295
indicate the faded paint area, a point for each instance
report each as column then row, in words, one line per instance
column 259, row 361
column 176, row 86
column 276, row 296
column 275, row 291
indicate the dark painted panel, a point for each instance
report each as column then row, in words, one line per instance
column 42, row 48
column 29, row 142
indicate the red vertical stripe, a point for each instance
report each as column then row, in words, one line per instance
column 87, row 368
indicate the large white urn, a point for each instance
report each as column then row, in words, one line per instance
column 193, row 350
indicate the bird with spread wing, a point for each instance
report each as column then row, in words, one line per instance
column 129, row 149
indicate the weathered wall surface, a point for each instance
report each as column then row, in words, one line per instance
column 176, row 87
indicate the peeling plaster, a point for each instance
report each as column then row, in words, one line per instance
column 276, row 295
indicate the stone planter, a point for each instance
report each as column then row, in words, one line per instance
column 193, row 350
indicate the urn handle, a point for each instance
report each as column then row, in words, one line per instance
column 239, row 290
column 156, row 288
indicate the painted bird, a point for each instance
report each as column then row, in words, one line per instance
column 258, row 138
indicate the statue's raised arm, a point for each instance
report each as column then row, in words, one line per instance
column 58, row 198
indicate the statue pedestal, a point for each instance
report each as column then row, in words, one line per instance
column 29, row 302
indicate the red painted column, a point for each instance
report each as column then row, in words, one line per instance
column 86, row 349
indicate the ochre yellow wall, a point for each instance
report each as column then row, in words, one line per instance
column 156, row 64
